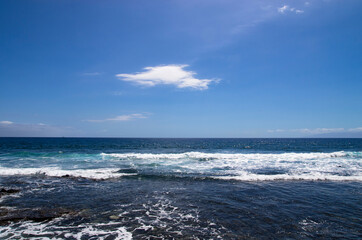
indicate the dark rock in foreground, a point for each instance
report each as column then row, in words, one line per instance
column 4, row 191
column 37, row 215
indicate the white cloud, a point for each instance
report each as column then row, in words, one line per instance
column 6, row 122
column 359, row 129
column 276, row 131
column 122, row 118
column 317, row 130
column 168, row 75
column 12, row 129
column 283, row 9
column 286, row 8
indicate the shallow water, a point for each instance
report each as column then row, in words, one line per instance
column 184, row 188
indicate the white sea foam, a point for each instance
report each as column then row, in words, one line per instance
column 335, row 166
column 164, row 215
column 50, row 230
column 238, row 156
column 101, row 173
column 315, row 177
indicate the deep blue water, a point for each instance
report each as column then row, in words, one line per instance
column 184, row 188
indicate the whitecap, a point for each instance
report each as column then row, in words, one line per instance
column 100, row 173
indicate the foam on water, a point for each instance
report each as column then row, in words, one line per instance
column 144, row 220
column 239, row 156
column 51, row 230
column 160, row 213
column 335, row 166
column 315, row 177
column 100, row 173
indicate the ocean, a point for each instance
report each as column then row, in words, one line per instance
column 128, row 188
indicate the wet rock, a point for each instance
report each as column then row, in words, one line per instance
column 4, row 191
column 127, row 170
column 66, row 176
column 37, row 215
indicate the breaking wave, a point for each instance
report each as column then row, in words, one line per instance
column 235, row 156
column 101, row 173
column 334, row 166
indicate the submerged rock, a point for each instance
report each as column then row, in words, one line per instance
column 4, row 191
column 37, row 215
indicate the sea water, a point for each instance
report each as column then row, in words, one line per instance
column 182, row 188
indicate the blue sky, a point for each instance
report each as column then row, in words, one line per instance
column 203, row 68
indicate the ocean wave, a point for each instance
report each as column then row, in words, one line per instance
column 100, row 173
column 238, row 156
column 306, row 177
column 336, row 166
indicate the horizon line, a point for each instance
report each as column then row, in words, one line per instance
column 202, row 137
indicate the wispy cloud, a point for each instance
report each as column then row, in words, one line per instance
column 12, row 129
column 283, row 9
column 121, row 118
column 317, row 130
column 287, row 8
column 276, row 130
column 6, row 122
column 167, row 75
column 230, row 20
column 359, row 129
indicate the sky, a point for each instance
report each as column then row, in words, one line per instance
column 176, row 68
